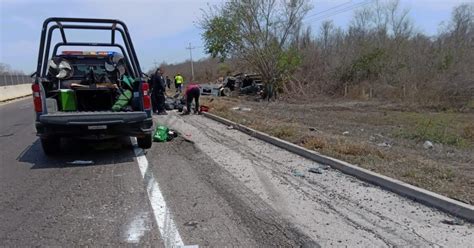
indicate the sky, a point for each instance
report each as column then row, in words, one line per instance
column 162, row 29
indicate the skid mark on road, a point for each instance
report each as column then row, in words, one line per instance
column 164, row 219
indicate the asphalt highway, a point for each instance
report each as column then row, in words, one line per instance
column 210, row 187
column 119, row 200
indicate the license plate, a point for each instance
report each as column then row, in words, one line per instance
column 100, row 127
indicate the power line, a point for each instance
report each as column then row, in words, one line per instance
column 349, row 8
column 324, row 11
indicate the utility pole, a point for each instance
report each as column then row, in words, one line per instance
column 191, row 57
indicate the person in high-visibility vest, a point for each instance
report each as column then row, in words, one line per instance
column 179, row 82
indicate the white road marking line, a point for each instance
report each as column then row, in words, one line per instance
column 137, row 228
column 162, row 213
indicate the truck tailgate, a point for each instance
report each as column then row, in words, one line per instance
column 92, row 118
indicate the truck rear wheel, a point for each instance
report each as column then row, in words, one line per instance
column 145, row 141
column 51, row 145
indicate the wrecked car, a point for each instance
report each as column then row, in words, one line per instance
column 245, row 84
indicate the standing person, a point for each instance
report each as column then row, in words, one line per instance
column 175, row 82
column 179, row 83
column 192, row 92
column 158, row 92
column 168, row 82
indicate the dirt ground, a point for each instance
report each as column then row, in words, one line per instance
column 235, row 178
column 385, row 138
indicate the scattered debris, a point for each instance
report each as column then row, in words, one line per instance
column 174, row 102
column 81, row 162
column 384, row 144
column 172, row 134
column 428, row 145
column 203, row 108
column 241, row 109
column 372, row 138
column 163, row 134
column 455, row 222
column 316, row 170
column 191, row 223
column 325, row 167
column 312, row 129
column 297, row 173
column 345, row 133
column 230, row 127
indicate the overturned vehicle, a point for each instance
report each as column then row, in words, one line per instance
column 241, row 83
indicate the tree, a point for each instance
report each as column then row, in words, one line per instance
column 5, row 69
column 260, row 33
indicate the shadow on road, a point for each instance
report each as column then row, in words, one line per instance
column 114, row 151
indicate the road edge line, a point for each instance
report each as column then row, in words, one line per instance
column 420, row 195
column 163, row 217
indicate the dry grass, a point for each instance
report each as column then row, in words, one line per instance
column 406, row 160
column 469, row 132
column 314, row 143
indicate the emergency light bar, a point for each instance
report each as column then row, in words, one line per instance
column 90, row 53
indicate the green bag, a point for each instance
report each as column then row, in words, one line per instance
column 129, row 81
column 122, row 100
column 161, row 134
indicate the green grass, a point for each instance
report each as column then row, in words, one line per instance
column 441, row 128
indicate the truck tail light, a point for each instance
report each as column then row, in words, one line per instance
column 37, row 98
column 146, row 96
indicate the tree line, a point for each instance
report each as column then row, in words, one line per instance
column 379, row 55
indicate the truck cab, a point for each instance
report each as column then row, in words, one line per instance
column 87, row 93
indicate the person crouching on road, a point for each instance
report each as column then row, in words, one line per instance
column 192, row 92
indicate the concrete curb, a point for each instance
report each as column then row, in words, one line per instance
column 423, row 196
column 12, row 92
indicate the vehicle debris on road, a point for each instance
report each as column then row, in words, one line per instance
column 428, row 145
column 319, row 169
column 312, row 129
column 454, row 222
column 316, row 170
column 297, row 173
column 241, row 109
column 191, row 223
column 384, row 144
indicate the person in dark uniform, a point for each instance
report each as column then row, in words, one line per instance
column 168, row 82
column 192, row 92
column 158, row 92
